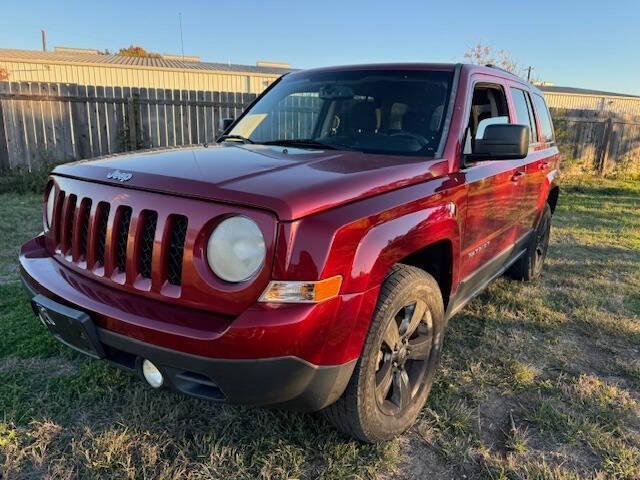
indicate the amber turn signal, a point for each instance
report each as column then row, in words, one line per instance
column 283, row 291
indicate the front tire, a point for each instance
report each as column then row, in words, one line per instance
column 393, row 377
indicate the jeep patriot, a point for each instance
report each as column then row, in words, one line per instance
column 312, row 257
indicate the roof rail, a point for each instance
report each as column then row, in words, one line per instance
column 491, row 65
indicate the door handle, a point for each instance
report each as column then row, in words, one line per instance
column 517, row 176
column 543, row 165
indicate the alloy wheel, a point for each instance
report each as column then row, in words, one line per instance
column 403, row 357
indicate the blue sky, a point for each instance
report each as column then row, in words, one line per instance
column 588, row 43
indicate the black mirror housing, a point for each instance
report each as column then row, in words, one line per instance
column 502, row 142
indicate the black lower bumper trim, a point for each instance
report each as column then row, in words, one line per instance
column 288, row 382
column 284, row 381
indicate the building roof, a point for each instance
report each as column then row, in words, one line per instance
column 77, row 56
column 583, row 91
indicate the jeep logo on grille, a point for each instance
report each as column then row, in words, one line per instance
column 120, row 176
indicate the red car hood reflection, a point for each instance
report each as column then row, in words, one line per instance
column 290, row 182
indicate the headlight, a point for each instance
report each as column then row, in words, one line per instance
column 51, row 200
column 236, row 250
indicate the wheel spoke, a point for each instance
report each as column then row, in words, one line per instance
column 391, row 335
column 412, row 318
column 401, row 395
column 420, row 347
column 384, row 376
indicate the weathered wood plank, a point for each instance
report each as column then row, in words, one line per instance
column 179, row 119
column 4, row 120
column 102, row 123
column 145, row 124
column 193, row 118
column 186, row 122
column 67, row 133
column 162, row 118
column 81, row 125
column 154, row 118
column 200, row 115
column 16, row 139
column 39, row 121
column 94, row 127
column 29, row 125
column 120, row 138
column 170, row 119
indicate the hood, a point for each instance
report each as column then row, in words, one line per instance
column 290, row 182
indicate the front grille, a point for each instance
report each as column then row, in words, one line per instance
column 176, row 249
column 101, row 242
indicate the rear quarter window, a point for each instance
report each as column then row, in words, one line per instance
column 545, row 118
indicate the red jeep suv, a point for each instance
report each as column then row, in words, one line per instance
column 312, row 258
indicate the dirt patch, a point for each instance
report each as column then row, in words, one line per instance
column 422, row 461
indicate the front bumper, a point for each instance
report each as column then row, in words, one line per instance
column 254, row 359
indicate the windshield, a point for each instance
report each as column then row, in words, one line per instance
column 374, row 111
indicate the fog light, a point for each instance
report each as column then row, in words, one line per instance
column 151, row 374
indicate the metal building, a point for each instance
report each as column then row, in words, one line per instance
column 176, row 72
column 591, row 100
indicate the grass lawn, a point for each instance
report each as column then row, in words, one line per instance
column 538, row 380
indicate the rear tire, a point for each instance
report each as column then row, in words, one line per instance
column 395, row 372
column 529, row 265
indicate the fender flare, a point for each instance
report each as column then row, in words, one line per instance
column 388, row 243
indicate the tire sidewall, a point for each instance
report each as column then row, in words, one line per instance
column 535, row 267
column 380, row 424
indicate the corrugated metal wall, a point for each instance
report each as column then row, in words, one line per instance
column 615, row 105
column 125, row 76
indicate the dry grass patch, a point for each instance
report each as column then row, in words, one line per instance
column 538, row 381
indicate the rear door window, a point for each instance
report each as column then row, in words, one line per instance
column 524, row 112
column 545, row 118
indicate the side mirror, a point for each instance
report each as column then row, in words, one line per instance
column 502, row 142
column 226, row 123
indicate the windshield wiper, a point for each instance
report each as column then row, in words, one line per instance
column 304, row 142
column 235, row 137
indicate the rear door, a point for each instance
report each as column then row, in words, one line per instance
column 545, row 165
column 527, row 184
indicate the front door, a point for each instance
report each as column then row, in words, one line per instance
column 494, row 186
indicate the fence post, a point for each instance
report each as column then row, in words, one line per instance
column 132, row 117
column 606, row 141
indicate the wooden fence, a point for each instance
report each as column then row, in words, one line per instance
column 51, row 122
column 42, row 123
column 602, row 143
